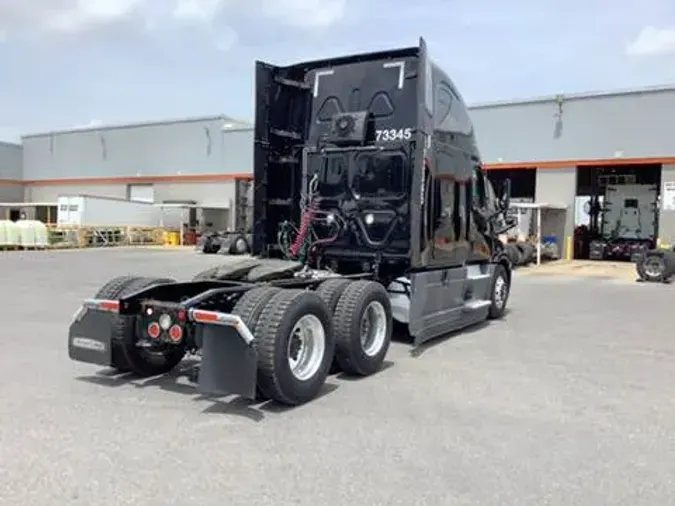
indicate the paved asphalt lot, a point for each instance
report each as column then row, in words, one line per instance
column 566, row 401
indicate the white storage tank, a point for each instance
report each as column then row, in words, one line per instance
column 41, row 234
column 32, row 234
column 10, row 233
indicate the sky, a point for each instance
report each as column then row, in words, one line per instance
column 78, row 63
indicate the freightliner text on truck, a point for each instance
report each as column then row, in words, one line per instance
column 371, row 205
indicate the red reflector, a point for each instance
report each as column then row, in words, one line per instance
column 154, row 330
column 205, row 316
column 176, row 333
column 181, row 315
column 109, row 305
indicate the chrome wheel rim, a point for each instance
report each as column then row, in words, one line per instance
column 654, row 267
column 306, row 347
column 373, row 328
column 500, row 292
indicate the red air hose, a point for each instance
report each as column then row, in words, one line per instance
column 305, row 223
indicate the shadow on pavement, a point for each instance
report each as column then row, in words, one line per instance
column 182, row 381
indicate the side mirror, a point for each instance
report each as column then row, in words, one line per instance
column 506, row 194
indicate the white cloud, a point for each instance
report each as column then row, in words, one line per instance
column 199, row 10
column 225, row 39
column 86, row 14
column 305, row 13
column 39, row 17
column 652, row 41
column 63, row 15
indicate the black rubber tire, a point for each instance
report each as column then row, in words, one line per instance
column 211, row 245
column 512, row 253
column 112, row 291
column 141, row 362
column 496, row 310
column 238, row 245
column 273, row 332
column 527, row 251
column 667, row 259
column 349, row 350
column 330, row 291
column 224, row 244
column 249, row 308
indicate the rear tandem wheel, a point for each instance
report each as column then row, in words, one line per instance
column 249, row 308
column 295, row 344
column 330, row 291
column 363, row 327
column 126, row 356
column 112, row 291
column 145, row 362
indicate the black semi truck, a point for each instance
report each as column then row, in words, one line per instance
column 370, row 206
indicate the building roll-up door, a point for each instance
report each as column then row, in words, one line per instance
column 141, row 193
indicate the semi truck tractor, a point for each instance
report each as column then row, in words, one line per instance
column 371, row 206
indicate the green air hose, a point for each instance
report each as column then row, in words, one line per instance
column 285, row 239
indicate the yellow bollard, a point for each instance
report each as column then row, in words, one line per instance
column 569, row 248
column 171, row 239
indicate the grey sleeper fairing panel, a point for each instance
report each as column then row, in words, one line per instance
column 435, row 303
column 443, row 301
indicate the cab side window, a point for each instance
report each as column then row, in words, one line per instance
column 451, row 114
column 478, row 188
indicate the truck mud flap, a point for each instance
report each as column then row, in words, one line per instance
column 229, row 363
column 90, row 336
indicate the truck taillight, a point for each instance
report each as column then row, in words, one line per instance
column 176, row 333
column 154, row 330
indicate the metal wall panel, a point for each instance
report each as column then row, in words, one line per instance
column 220, row 194
column 163, row 149
column 141, row 192
column 10, row 192
column 10, row 161
column 10, row 173
column 629, row 125
column 667, row 217
column 559, row 187
column 51, row 193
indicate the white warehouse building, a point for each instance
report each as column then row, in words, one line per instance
column 193, row 161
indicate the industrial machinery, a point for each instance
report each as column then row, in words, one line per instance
column 235, row 242
column 629, row 223
column 370, row 205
